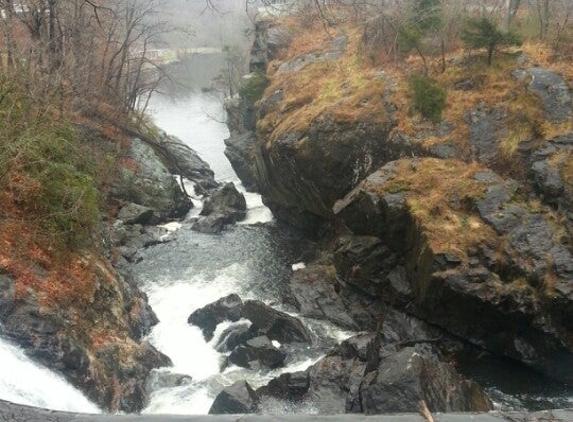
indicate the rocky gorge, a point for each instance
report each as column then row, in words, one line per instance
column 436, row 237
column 432, row 244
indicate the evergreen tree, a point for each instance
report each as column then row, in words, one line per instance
column 484, row 33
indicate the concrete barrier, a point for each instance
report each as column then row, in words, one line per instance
column 19, row 413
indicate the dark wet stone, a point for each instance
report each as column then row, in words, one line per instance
column 228, row 308
column 238, row 398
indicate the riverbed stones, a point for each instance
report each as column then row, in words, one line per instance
column 257, row 353
column 228, row 308
column 276, row 325
column 238, row 398
column 223, row 207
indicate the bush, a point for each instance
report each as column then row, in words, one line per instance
column 254, row 86
column 52, row 179
column 429, row 98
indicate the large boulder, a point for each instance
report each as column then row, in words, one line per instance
column 361, row 376
column 182, row 160
column 411, row 375
column 240, row 153
column 146, row 181
column 479, row 250
column 257, row 353
column 228, row 308
column 239, row 398
column 225, row 206
column 276, row 325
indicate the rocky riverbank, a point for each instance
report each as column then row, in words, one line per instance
column 448, row 224
column 85, row 317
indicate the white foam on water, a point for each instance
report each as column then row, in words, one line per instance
column 25, row 382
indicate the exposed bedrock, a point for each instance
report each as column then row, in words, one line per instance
column 363, row 376
column 108, row 361
column 484, row 263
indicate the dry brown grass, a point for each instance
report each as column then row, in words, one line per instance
column 442, row 195
column 348, row 89
column 563, row 162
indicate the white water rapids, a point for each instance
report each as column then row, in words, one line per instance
column 173, row 295
column 26, row 382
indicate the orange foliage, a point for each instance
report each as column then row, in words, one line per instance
column 55, row 276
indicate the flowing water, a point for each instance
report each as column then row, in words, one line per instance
column 26, row 382
column 253, row 259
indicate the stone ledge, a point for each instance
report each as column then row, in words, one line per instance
column 19, row 413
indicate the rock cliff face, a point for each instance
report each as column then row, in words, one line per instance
column 475, row 238
column 91, row 333
column 83, row 314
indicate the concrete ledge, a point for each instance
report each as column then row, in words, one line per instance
column 19, row 413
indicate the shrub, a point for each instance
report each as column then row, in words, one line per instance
column 428, row 97
column 253, row 87
column 52, row 179
column 484, row 33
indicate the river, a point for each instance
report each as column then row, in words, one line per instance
column 254, row 259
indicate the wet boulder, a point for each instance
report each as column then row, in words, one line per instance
column 228, row 308
column 239, row 152
column 225, row 206
column 290, row 386
column 145, row 180
column 239, row 398
column 313, row 291
column 276, row 325
column 413, row 374
column 183, row 160
column 257, row 353
column 234, row 335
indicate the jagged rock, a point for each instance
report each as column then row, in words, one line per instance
column 234, row 335
column 547, row 180
column 136, row 214
column 335, row 380
column 239, row 398
column 366, row 262
column 145, row 181
column 184, row 161
column 413, row 374
column 225, row 206
column 314, row 295
column 228, row 308
column 276, row 325
column 551, row 177
column 59, row 340
column 256, row 353
column 240, row 152
column 484, row 127
column 289, row 386
column 495, row 279
column 553, row 92
column 162, row 379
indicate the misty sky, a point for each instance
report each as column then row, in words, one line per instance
column 206, row 28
